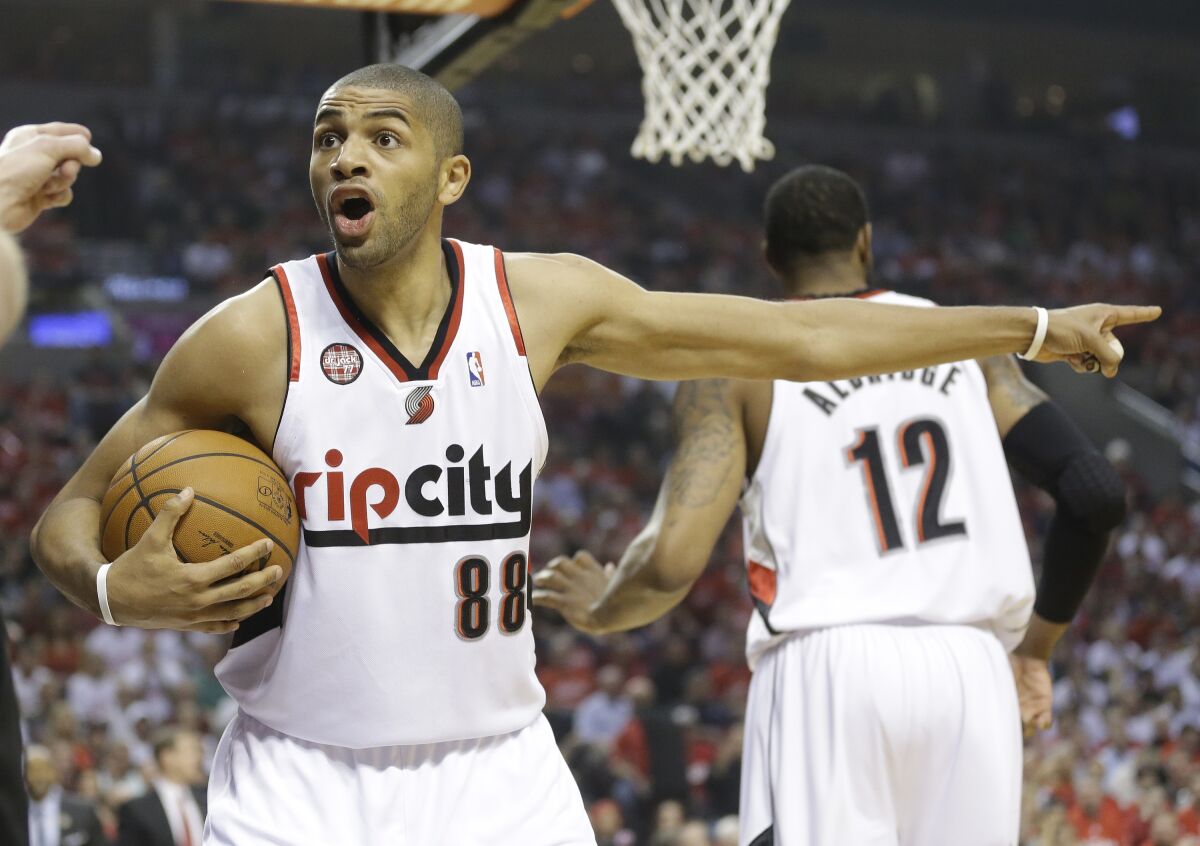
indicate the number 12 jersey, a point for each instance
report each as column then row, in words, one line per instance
column 884, row 499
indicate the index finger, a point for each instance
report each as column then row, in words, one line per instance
column 1125, row 315
column 211, row 572
column 59, row 127
column 64, row 147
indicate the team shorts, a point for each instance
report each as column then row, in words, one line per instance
column 882, row 735
column 268, row 788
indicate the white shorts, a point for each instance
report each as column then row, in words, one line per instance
column 880, row 735
column 509, row 790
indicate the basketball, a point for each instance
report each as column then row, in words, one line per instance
column 241, row 496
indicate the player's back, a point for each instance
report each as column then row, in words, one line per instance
column 884, row 499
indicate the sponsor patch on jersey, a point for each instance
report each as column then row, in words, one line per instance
column 475, row 368
column 419, row 405
column 341, row 363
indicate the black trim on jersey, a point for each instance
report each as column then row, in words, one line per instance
column 764, row 611
column 420, row 534
column 262, row 621
column 414, row 374
column 287, row 362
column 767, row 838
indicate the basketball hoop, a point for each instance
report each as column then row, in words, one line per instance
column 705, row 66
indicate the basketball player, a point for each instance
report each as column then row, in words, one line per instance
column 38, row 165
column 886, row 561
column 388, row 696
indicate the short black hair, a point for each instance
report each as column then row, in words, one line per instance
column 165, row 738
column 438, row 108
column 811, row 211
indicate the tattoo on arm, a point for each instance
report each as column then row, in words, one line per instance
column 1011, row 395
column 705, row 432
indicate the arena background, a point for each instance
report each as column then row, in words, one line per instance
column 1011, row 154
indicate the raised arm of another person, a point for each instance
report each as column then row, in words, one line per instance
column 697, row 497
column 229, row 368
column 38, row 166
column 1051, row 452
column 575, row 310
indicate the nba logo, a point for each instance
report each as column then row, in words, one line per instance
column 475, row 366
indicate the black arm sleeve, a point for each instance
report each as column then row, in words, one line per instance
column 1049, row 450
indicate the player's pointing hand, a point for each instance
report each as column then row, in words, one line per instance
column 572, row 585
column 38, row 166
column 1083, row 336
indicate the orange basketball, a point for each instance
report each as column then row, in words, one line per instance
column 240, row 496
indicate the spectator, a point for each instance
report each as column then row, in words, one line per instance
column 57, row 818
column 694, row 833
column 172, row 812
column 725, row 832
column 602, row 715
column 668, row 821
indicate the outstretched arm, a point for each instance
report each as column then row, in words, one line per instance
column 697, row 496
column 575, row 310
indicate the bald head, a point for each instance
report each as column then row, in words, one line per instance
column 435, row 105
column 41, row 773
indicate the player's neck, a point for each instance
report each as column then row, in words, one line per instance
column 407, row 295
column 827, row 279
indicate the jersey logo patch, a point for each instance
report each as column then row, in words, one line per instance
column 419, row 405
column 341, row 363
column 475, row 367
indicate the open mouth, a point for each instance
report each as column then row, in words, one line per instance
column 353, row 212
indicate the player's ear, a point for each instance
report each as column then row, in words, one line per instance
column 862, row 245
column 455, row 174
column 767, row 259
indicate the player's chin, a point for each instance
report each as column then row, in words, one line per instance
column 360, row 253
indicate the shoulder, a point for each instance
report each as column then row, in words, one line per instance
column 245, row 320
column 248, row 328
column 563, row 276
column 229, row 363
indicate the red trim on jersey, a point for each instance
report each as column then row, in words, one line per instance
column 506, row 298
column 353, row 322
column 866, row 295
column 455, row 315
column 289, row 305
column 763, row 586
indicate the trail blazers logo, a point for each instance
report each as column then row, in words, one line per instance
column 419, row 405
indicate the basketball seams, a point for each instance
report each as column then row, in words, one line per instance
column 129, row 521
column 126, row 471
column 173, row 462
column 134, row 489
column 221, row 507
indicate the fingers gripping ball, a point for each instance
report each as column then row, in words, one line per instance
column 241, row 496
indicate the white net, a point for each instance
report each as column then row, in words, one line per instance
column 705, row 65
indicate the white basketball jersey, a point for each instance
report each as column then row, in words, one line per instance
column 884, row 499
column 406, row 618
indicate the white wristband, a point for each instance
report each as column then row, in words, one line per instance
column 1039, row 336
column 102, row 594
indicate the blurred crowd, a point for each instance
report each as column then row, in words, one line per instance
column 650, row 721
